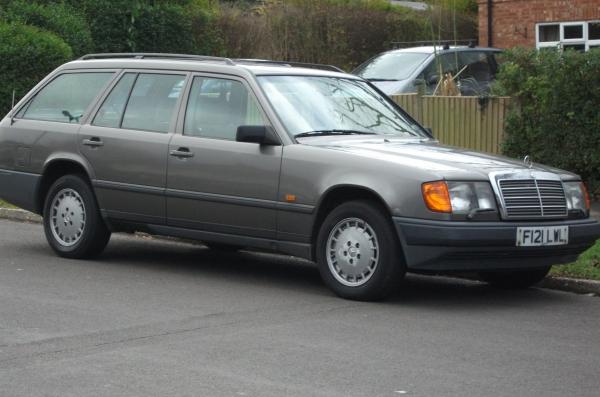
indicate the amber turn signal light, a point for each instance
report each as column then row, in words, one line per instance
column 290, row 198
column 436, row 196
column 586, row 196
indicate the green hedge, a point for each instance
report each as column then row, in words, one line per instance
column 163, row 27
column 179, row 26
column 59, row 18
column 28, row 54
column 555, row 117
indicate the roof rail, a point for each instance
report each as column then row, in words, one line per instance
column 442, row 43
column 292, row 64
column 144, row 55
column 228, row 61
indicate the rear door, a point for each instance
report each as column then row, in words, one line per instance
column 215, row 183
column 126, row 144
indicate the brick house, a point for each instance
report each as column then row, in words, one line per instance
column 539, row 23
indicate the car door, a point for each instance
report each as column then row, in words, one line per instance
column 437, row 68
column 126, row 144
column 214, row 183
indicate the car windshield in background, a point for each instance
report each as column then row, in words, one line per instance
column 312, row 105
column 391, row 66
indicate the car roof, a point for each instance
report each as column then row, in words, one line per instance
column 241, row 67
column 442, row 49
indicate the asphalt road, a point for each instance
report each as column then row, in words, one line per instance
column 158, row 318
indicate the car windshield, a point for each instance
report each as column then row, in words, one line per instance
column 313, row 105
column 391, row 66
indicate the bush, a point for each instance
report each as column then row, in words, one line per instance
column 28, row 54
column 555, row 116
column 169, row 27
column 58, row 18
column 339, row 32
column 466, row 6
column 150, row 26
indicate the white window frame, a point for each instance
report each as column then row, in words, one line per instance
column 547, row 44
column 592, row 43
column 585, row 41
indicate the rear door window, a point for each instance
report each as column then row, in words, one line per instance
column 111, row 112
column 152, row 102
column 66, row 98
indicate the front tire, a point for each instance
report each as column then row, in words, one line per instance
column 358, row 252
column 72, row 222
column 518, row 279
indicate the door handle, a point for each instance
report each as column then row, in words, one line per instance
column 182, row 152
column 93, row 142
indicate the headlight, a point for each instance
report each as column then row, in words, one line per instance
column 577, row 196
column 468, row 196
column 458, row 197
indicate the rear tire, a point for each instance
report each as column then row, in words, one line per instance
column 518, row 279
column 358, row 253
column 73, row 225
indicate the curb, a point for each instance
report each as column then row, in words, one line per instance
column 577, row 286
column 19, row 215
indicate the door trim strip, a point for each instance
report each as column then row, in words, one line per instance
column 213, row 197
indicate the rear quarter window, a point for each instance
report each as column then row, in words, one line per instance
column 66, row 98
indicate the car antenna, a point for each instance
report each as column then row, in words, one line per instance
column 12, row 109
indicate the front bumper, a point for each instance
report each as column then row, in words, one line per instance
column 474, row 246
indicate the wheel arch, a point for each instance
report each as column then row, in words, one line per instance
column 55, row 168
column 337, row 195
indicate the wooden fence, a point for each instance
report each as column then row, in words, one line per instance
column 468, row 122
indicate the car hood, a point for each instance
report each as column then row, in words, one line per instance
column 446, row 162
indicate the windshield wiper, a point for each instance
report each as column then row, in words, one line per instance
column 333, row 132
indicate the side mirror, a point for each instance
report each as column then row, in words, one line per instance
column 260, row 134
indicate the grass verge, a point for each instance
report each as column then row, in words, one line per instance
column 586, row 267
column 4, row 204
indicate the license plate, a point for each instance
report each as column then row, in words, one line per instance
column 539, row 236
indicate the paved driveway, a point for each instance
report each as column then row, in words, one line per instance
column 156, row 318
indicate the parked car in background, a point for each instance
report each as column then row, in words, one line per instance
column 399, row 71
column 262, row 155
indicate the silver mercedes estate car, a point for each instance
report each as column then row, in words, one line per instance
column 297, row 159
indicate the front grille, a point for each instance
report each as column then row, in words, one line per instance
column 533, row 198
